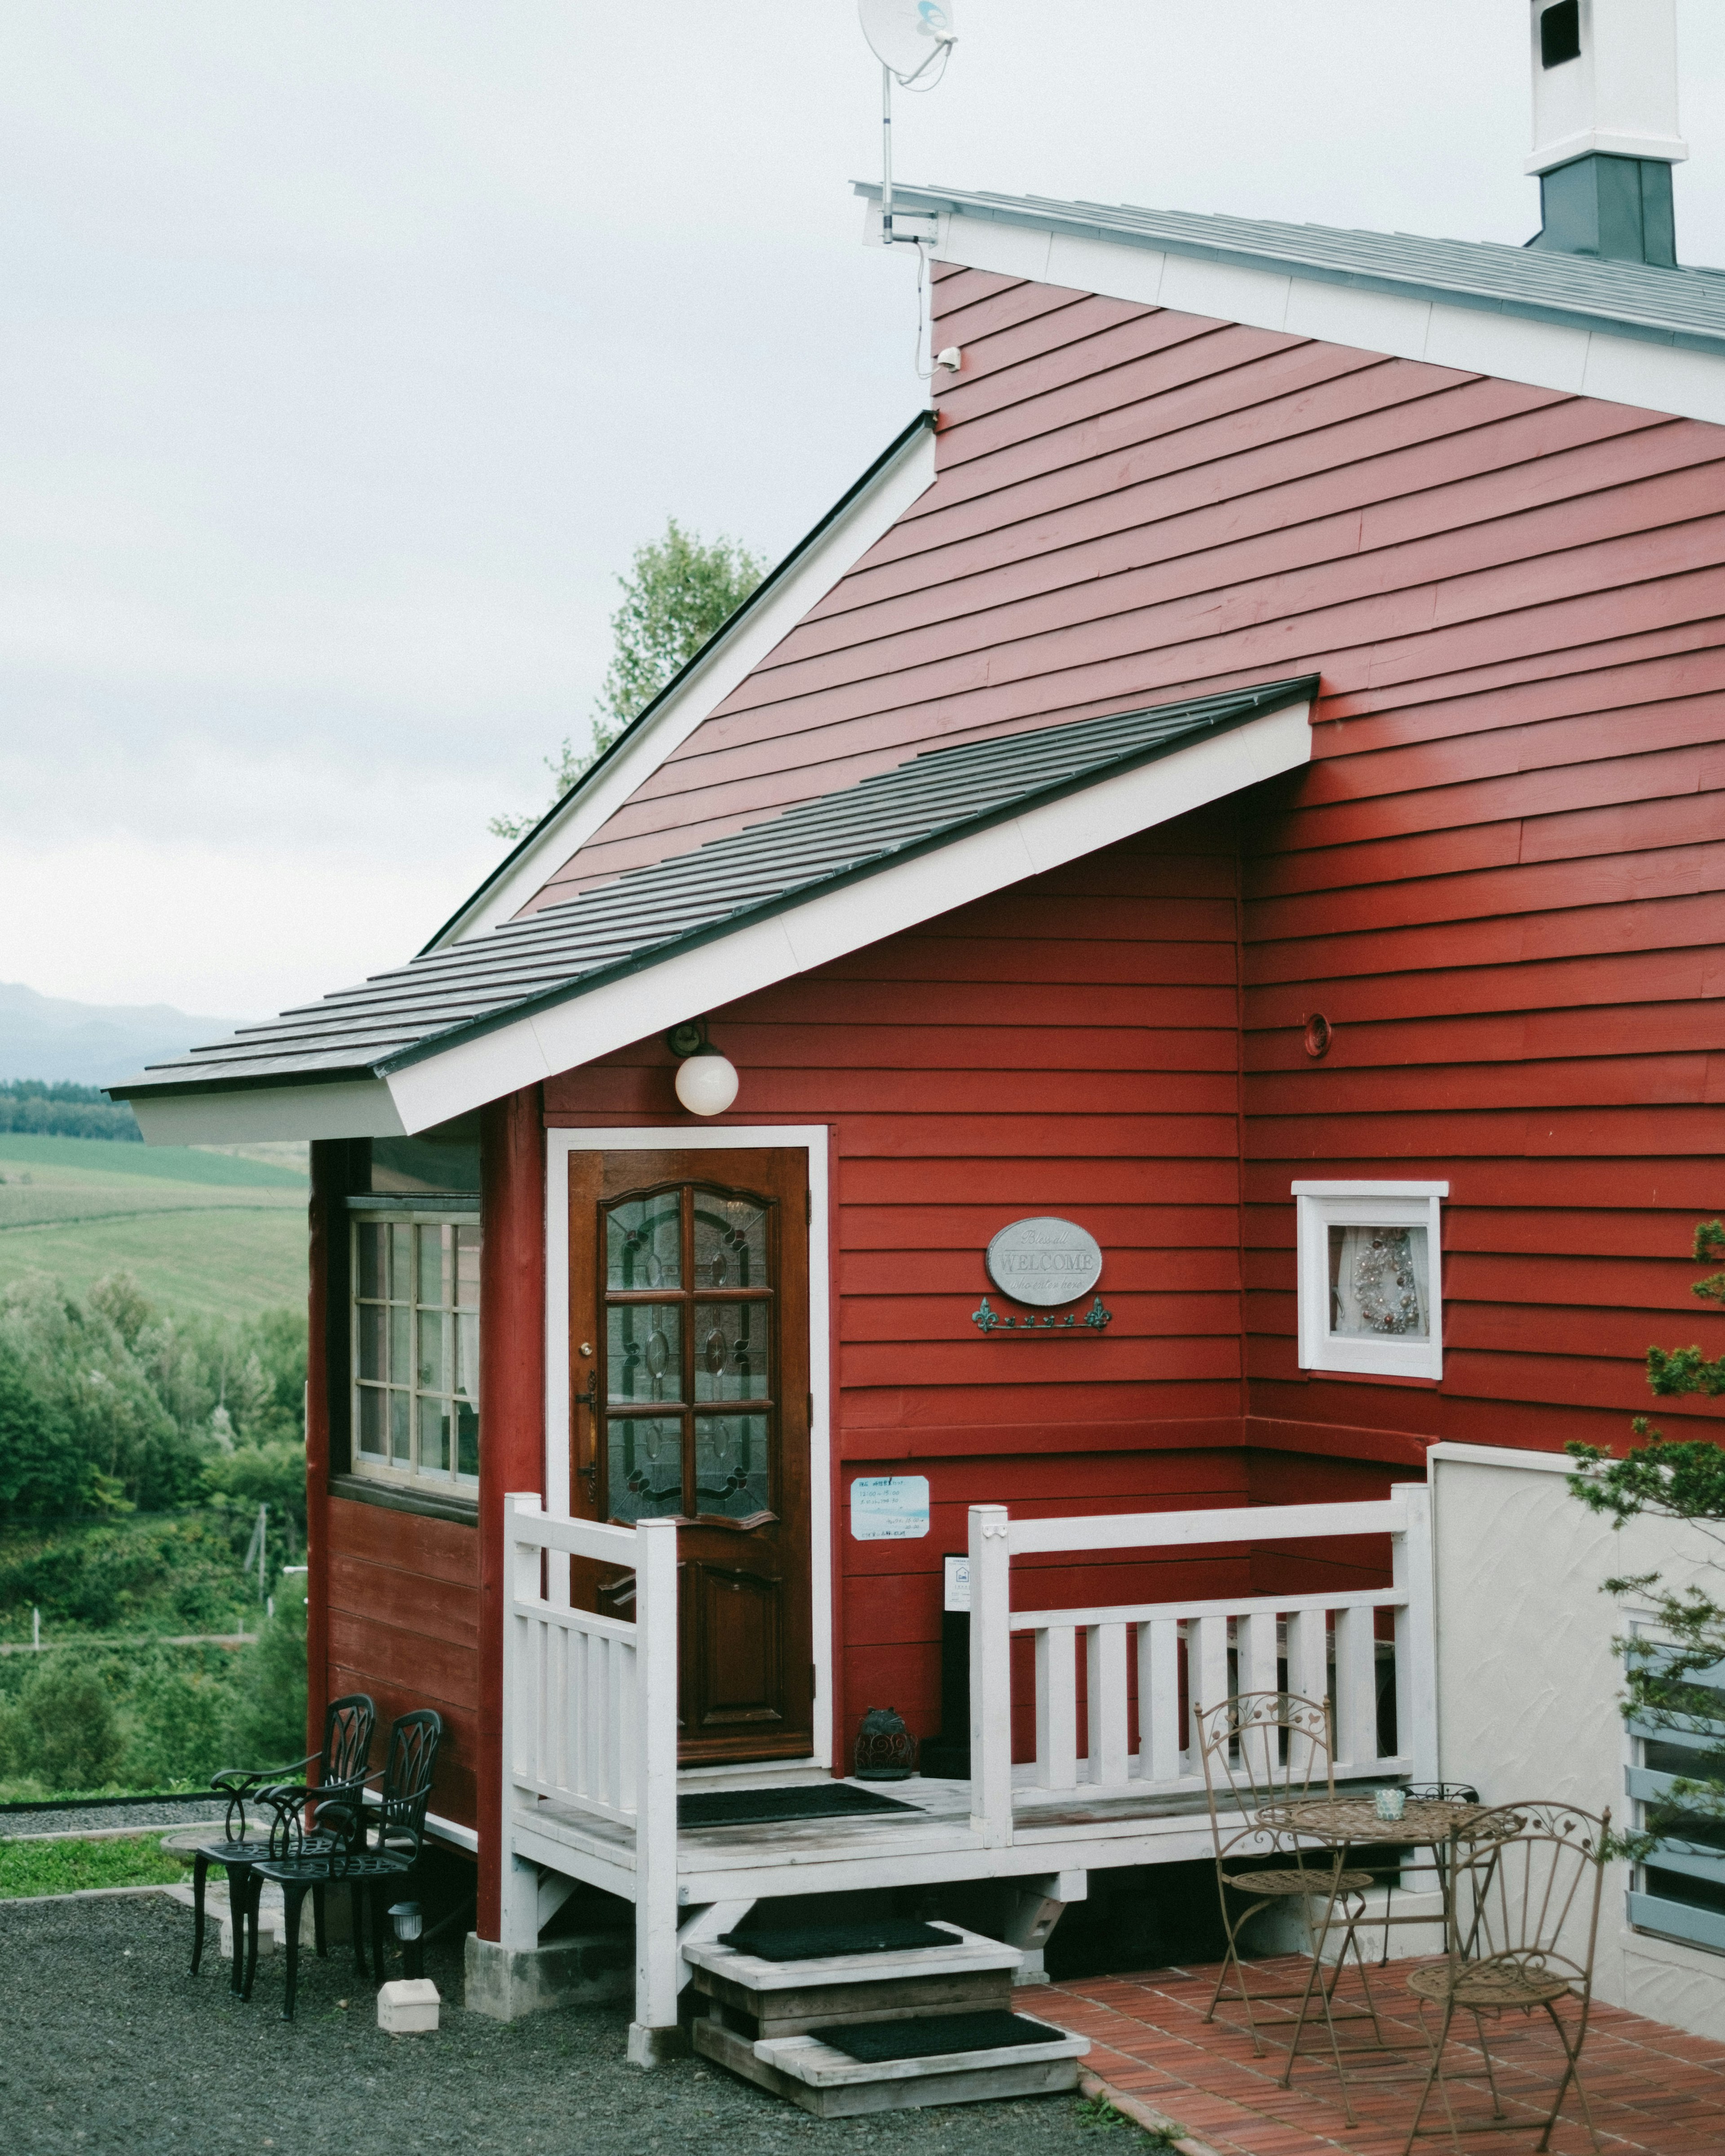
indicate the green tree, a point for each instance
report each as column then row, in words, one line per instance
column 266, row 1724
column 1666, row 1684
column 679, row 590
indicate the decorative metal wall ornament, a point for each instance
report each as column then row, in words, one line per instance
column 990, row 1321
column 886, row 1750
column 1045, row 1261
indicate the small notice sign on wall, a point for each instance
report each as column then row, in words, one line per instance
column 888, row 1508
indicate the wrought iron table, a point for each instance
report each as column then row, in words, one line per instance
column 1341, row 1824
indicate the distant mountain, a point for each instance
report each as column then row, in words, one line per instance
column 92, row 1044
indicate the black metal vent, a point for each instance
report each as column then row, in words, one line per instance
column 1560, row 34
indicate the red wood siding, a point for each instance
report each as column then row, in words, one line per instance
column 403, row 1625
column 1501, row 877
column 1133, row 502
column 1070, row 1046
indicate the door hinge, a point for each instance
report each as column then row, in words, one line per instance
column 809, row 1207
column 811, row 1411
column 814, row 1680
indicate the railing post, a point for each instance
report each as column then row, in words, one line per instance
column 1416, row 1720
column 990, row 1674
column 654, row 2033
column 518, row 1895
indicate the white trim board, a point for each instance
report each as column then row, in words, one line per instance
column 864, row 521
column 353, row 1108
column 815, row 1141
column 1581, row 363
column 1500, row 1455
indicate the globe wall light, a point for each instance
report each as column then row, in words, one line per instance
column 707, row 1081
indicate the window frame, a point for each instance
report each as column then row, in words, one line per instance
column 448, row 1485
column 1321, row 1206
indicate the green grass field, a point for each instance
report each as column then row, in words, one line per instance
column 203, row 1232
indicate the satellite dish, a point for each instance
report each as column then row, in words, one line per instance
column 908, row 37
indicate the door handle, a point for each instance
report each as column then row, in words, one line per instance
column 590, row 1472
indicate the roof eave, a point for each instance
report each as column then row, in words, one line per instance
column 1035, row 218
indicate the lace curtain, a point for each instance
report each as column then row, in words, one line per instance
column 1379, row 1283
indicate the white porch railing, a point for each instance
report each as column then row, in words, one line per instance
column 1324, row 1645
column 590, row 1720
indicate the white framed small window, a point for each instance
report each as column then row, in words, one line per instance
column 1370, row 1273
column 416, row 1348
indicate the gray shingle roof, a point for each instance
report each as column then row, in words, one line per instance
column 621, row 928
column 1681, row 307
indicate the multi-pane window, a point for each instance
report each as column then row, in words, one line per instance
column 688, row 1324
column 1371, row 1296
column 416, row 1348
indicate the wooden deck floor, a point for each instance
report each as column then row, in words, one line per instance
column 929, row 1841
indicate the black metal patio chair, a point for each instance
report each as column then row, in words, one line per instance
column 275, row 1796
column 371, row 1849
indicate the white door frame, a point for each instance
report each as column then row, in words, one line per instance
column 813, row 1140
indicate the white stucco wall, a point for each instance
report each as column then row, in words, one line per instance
column 1528, row 1687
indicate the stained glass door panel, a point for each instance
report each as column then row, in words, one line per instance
column 689, row 1379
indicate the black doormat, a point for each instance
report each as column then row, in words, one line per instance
column 811, row 1941
column 875, row 2042
column 808, row 1800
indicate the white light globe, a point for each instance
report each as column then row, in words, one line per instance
column 706, row 1084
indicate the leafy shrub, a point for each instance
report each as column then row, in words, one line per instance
column 63, row 1730
column 177, row 1719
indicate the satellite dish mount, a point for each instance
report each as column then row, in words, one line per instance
column 913, row 40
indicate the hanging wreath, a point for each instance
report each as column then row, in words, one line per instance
column 1385, row 1288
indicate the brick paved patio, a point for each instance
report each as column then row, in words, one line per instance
column 1652, row 2088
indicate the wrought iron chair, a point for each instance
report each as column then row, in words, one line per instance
column 371, row 1868
column 273, row 1792
column 1524, row 1914
column 1261, row 1752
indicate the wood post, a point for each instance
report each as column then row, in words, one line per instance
column 511, row 1429
column 990, row 1674
column 325, row 1220
column 653, row 2031
column 1416, row 1720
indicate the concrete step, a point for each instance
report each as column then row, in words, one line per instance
column 763, row 1998
column 272, row 1916
column 831, row 2084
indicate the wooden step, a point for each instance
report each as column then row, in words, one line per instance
column 831, row 2084
column 758, row 1997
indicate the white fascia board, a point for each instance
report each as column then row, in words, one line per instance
column 834, row 922
column 1574, row 360
column 831, row 556
column 350, row 1108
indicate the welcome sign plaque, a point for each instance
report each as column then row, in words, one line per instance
column 1044, row 1262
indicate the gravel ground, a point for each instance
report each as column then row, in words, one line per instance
column 87, row 1818
column 108, row 2048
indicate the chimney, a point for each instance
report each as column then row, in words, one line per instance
column 1606, row 127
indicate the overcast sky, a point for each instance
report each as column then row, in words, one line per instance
column 346, row 352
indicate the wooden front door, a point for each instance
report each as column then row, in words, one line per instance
column 689, row 1380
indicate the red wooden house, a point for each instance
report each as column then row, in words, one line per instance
column 1242, row 776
